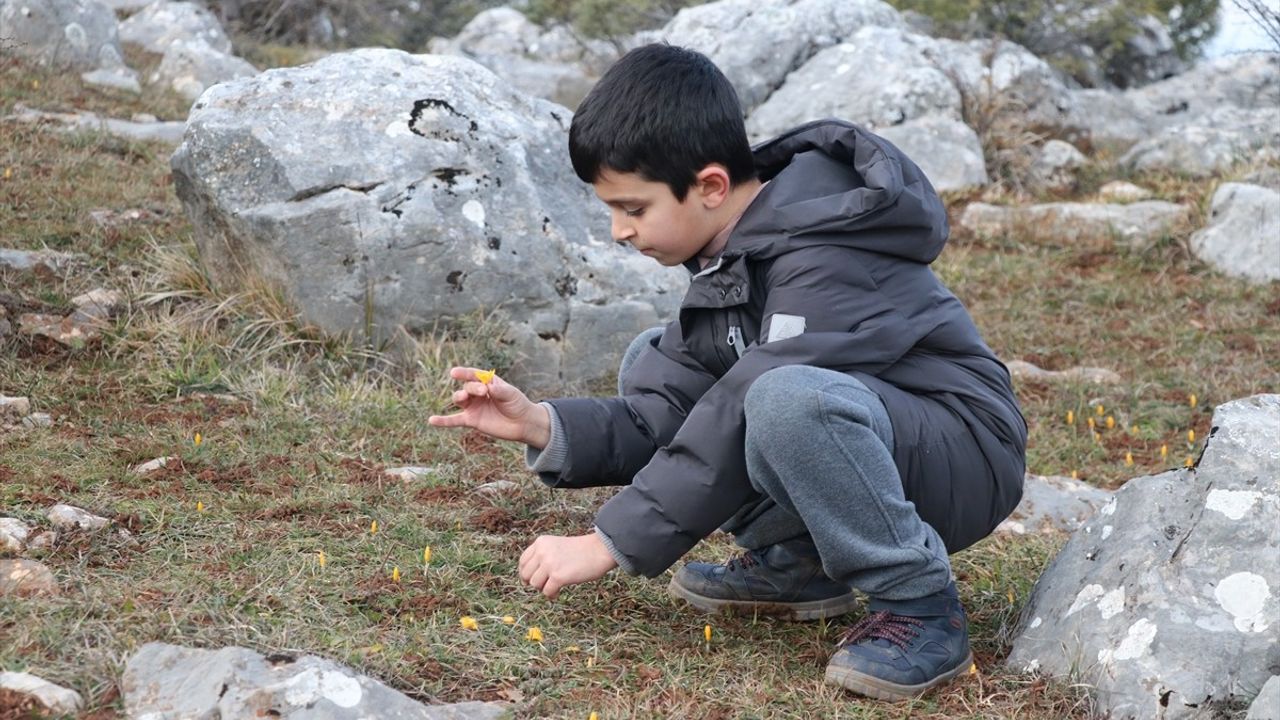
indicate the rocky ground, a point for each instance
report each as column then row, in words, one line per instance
column 185, row 464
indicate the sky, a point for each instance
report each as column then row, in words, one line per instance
column 1238, row 33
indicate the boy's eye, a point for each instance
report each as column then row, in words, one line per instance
column 634, row 213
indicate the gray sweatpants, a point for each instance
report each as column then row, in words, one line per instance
column 818, row 449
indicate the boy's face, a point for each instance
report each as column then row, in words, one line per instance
column 647, row 215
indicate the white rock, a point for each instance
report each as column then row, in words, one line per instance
column 70, row 517
column 24, row 578
column 13, row 534
column 152, row 465
column 1121, row 191
column 119, row 78
column 1266, row 706
column 497, row 487
column 14, row 407
column 38, row 420
column 410, row 473
column 58, row 700
column 1243, row 234
column 161, row 24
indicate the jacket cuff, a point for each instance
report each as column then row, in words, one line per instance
column 624, row 563
column 553, row 457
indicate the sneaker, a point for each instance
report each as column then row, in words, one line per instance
column 785, row 580
column 904, row 648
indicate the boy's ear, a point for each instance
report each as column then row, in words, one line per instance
column 712, row 185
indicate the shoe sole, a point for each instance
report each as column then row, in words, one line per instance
column 883, row 689
column 809, row 610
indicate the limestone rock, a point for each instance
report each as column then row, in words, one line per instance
column 119, row 78
column 38, row 420
column 1266, row 706
column 758, row 43
column 35, row 261
column 409, row 473
column 879, row 77
column 1139, row 223
column 1121, row 191
column 1054, row 168
column 1021, row 369
column 168, row 132
column 13, row 535
column 551, row 63
column 1209, row 144
column 160, row 24
column 97, row 304
column 152, row 465
column 70, row 517
column 497, row 487
column 455, row 196
column 948, row 151
column 75, row 34
column 14, row 407
column 1053, row 503
column 1243, row 234
column 67, row 331
column 190, row 67
column 55, row 698
column 26, row 578
column 168, row 681
column 1166, row 600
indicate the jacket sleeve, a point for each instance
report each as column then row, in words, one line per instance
column 697, row 481
column 610, row 439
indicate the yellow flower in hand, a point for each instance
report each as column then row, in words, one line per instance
column 485, row 376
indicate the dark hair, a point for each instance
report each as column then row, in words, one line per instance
column 663, row 112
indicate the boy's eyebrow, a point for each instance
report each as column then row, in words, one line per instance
column 623, row 201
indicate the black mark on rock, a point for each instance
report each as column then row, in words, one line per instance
column 495, row 243
column 550, row 335
column 567, row 285
column 455, row 279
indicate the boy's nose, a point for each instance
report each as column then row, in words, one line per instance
column 622, row 231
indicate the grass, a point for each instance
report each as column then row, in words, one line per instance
column 296, row 430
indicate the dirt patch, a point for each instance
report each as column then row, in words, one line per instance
column 476, row 443
column 358, row 472
column 495, row 520
column 443, row 495
column 19, row 706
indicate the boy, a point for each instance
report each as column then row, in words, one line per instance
column 822, row 396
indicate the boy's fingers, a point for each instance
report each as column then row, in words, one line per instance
column 454, row 420
column 551, row 589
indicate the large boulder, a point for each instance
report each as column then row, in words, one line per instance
column 758, row 43
column 1117, row 121
column 169, row 681
column 75, row 34
column 551, row 63
column 1166, row 601
column 1243, row 234
column 160, row 24
column 886, row 76
column 948, row 151
column 879, row 77
column 1211, row 143
column 442, row 192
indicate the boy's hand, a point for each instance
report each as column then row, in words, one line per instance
column 497, row 409
column 553, row 562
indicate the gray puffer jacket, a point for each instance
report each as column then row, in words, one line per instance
column 842, row 236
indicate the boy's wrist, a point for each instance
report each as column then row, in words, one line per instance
column 538, row 427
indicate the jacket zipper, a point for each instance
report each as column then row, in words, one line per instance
column 736, row 340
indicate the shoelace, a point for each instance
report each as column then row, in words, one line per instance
column 883, row 625
column 745, row 560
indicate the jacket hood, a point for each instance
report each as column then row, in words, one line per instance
column 847, row 186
